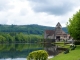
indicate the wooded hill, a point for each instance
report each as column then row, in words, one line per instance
column 27, row 29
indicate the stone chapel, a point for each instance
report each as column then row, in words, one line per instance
column 57, row 33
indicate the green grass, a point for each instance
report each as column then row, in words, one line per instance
column 72, row 55
column 61, row 44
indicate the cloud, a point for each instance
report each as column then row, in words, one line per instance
column 58, row 7
column 4, row 5
column 42, row 12
column 23, row 11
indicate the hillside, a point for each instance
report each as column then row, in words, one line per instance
column 27, row 29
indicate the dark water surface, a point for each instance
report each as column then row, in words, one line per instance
column 21, row 51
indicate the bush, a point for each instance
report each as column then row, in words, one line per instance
column 77, row 42
column 38, row 55
column 73, row 47
column 67, row 51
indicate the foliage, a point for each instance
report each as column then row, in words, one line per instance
column 2, row 38
column 38, row 55
column 19, row 38
column 27, row 29
column 77, row 42
column 17, row 50
column 74, row 26
column 67, row 51
column 73, row 47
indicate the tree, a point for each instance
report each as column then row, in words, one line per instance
column 74, row 26
column 2, row 39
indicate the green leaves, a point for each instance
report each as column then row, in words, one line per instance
column 19, row 38
column 74, row 26
column 38, row 55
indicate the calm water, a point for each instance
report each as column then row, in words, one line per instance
column 21, row 51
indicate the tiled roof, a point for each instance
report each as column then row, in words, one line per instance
column 49, row 32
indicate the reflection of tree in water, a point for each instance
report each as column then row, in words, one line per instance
column 22, row 50
column 17, row 50
column 52, row 49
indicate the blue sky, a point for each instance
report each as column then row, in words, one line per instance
column 41, row 12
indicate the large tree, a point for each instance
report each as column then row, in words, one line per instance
column 74, row 26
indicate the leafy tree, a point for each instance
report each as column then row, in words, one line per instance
column 2, row 39
column 19, row 38
column 74, row 26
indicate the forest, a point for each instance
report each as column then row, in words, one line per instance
column 23, row 33
column 27, row 29
column 19, row 38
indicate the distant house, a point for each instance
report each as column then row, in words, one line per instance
column 57, row 33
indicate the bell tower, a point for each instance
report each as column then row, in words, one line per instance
column 58, row 31
column 58, row 27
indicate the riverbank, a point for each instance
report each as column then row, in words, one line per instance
column 72, row 55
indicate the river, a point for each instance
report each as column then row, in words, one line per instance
column 20, row 51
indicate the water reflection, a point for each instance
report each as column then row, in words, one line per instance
column 51, row 49
column 17, row 50
column 14, row 59
column 20, row 51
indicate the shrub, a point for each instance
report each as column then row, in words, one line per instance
column 38, row 55
column 67, row 51
column 73, row 47
column 77, row 42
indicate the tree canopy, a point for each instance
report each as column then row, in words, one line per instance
column 27, row 29
column 19, row 38
column 74, row 26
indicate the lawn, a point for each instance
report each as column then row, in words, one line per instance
column 61, row 44
column 72, row 55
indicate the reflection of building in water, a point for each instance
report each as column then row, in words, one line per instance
column 57, row 33
column 51, row 49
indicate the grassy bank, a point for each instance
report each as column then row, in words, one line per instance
column 62, row 44
column 72, row 55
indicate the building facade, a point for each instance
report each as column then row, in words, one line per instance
column 57, row 33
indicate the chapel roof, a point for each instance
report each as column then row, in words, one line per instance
column 50, row 32
column 58, row 24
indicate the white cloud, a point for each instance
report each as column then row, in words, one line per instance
column 21, row 12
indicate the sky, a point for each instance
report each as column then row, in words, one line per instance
column 41, row 12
